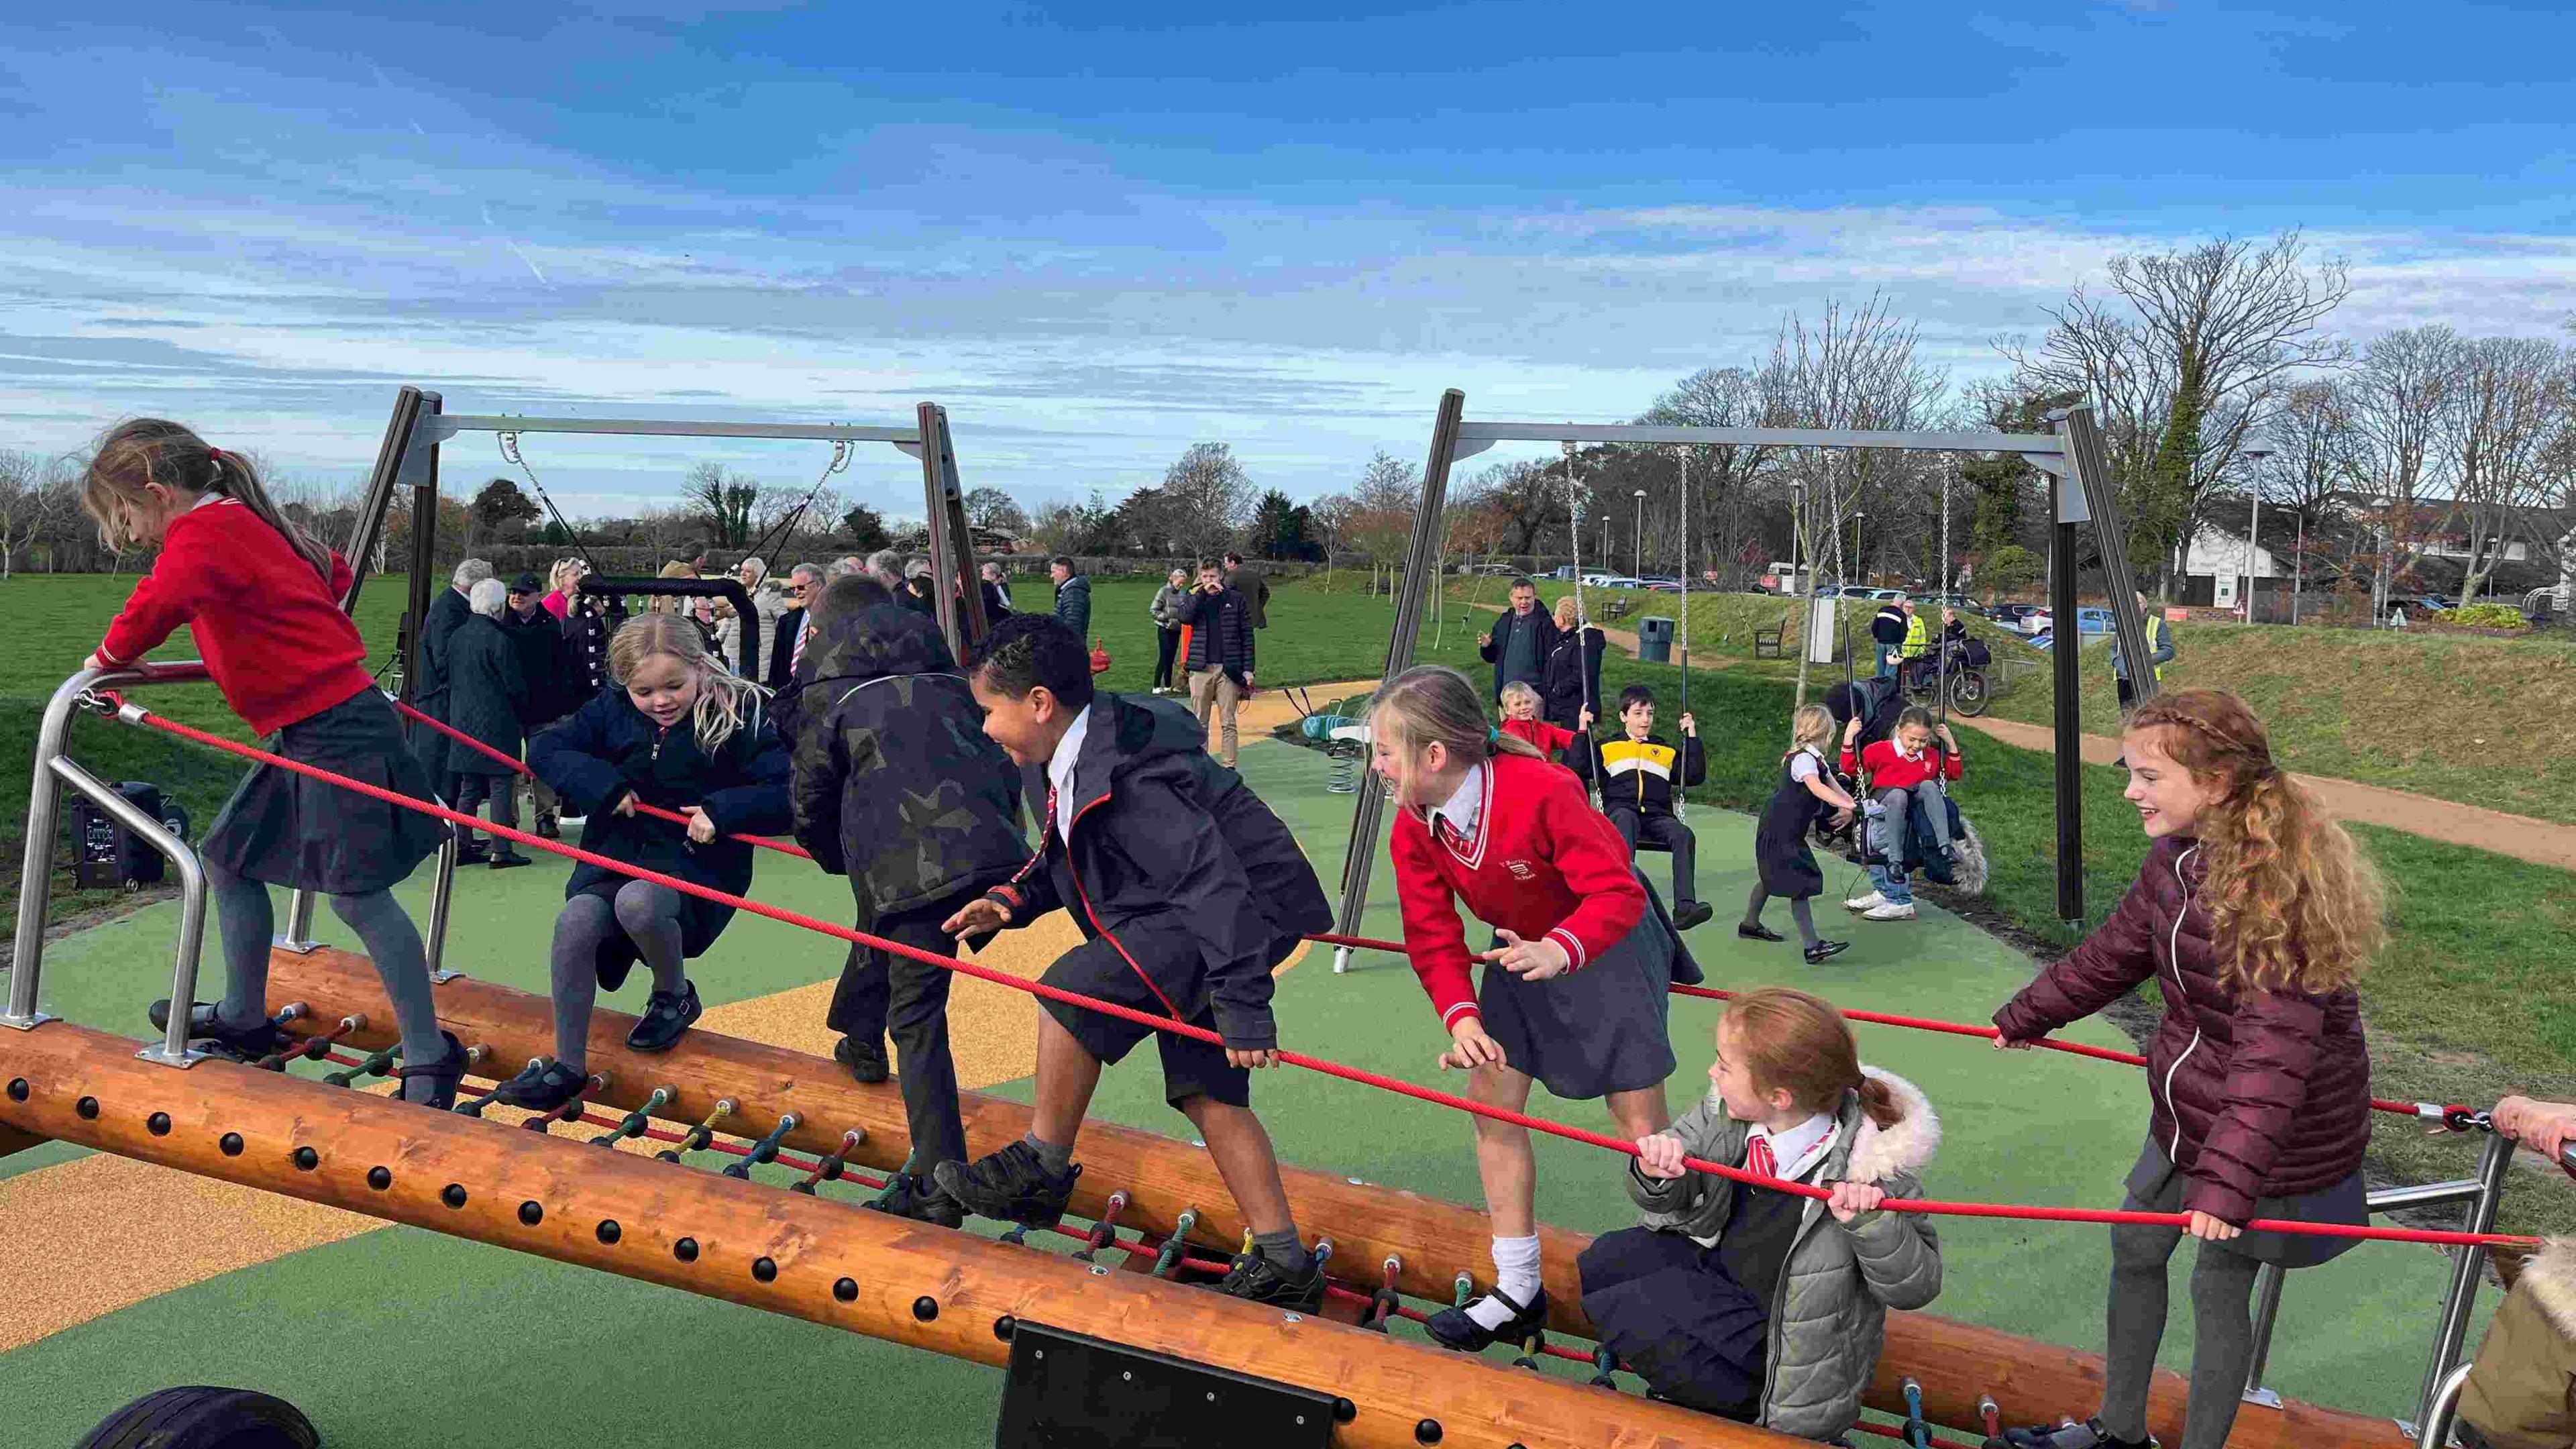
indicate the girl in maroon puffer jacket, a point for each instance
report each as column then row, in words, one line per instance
column 2253, row 913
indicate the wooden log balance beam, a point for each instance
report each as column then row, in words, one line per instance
column 1956, row 1364
column 817, row 1259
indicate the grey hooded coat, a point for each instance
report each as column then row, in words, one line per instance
column 1829, row 1314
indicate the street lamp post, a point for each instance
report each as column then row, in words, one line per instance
column 1637, row 543
column 2255, row 450
column 1855, row 558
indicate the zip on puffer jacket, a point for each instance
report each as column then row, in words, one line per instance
column 2256, row 1093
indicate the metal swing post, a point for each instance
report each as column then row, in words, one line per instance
column 1582, row 627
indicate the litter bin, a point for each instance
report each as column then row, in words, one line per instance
column 1655, row 639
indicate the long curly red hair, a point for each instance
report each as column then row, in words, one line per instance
column 2295, row 905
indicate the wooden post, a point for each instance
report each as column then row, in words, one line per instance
column 821, row 1260
column 1956, row 1363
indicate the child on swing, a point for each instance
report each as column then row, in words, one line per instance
column 1575, row 982
column 1521, row 721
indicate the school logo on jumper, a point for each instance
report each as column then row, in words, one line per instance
column 1520, row 870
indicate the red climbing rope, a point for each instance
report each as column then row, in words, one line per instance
column 2452, row 1116
column 135, row 714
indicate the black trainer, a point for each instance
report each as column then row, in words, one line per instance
column 541, row 1086
column 505, row 859
column 1454, row 1329
column 1257, row 1278
column 1687, row 914
column 473, row 855
column 206, row 1024
column 907, row 1195
column 1756, row 931
column 443, row 1075
column 1008, row 1185
column 1823, row 951
column 667, row 1016
column 2088, row 1435
column 865, row 1059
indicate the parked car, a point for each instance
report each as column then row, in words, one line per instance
column 1617, row 581
column 2011, row 616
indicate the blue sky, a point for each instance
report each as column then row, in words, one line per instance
column 1100, row 236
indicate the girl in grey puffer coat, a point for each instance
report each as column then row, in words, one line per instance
column 1709, row 1287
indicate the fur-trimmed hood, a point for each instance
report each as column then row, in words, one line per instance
column 2551, row 1274
column 1906, row 1145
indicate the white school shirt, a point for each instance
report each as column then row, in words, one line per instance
column 1794, row 1153
column 1060, row 771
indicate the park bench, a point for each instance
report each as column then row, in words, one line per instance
column 1767, row 643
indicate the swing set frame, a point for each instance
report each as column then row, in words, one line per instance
column 2072, row 457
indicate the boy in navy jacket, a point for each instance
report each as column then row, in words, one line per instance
column 1188, row 891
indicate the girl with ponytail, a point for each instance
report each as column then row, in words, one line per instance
column 2254, row 913
column 1738, row 1299
column 264, row 601
column 1576, row 978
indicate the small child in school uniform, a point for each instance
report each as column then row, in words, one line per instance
column 1785, row 863
column 1576, row 982
column 1521, row 721
column 1189, row 892
column 1641, row 783
column 1759, row 1305
column 683, row 732
column 264, row 601
column 1902, row 775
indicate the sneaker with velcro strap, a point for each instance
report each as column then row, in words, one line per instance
column 1256, row 1277
column 1010, row 1186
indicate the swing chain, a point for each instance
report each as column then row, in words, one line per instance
column 509, row 442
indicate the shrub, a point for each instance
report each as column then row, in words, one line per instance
column 2484, row 616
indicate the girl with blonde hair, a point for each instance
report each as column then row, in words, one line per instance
column 1784, row 862
column 2255, row 914
column 1575, row 980
column 682, row 732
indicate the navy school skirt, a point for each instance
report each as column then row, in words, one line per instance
column 2155, row 1186
column 1589, row 1033
column 286, row 829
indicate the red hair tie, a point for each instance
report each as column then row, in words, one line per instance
column 214, row 454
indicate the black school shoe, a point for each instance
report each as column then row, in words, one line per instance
column 865, row 1059
column 908, row 1195
column 1008, row 1185
column 206, row 1024
column 1756, row 931
column 541, row 1086
column 1824, row 951
column 548, row 828
column 1257, row 1278
column 1688, row 914
column 1454, row 1329
column 443, row 1074
column 505, row 859
column 667, row 1015
column 2088, row 1435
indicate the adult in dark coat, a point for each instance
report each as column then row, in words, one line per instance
column 1520, row 641
column 804, row 589
column 1072, row 596
column 1887, row 636
column 1573, row 672
column 488, row 701
column 547, row 665
column 429, row 691
column 1250, row 583
column 898, row 788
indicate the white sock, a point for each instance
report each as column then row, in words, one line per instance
column 1515, row 1275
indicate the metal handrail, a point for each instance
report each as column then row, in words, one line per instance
column 172, row 1050
column 44, row 819
column 2435, row 1432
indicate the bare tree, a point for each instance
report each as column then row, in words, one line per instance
column 2400, row 394
column 34, row 496
column 992, row 508
column 2506, row 407
column 1209, row 497
column 2318, row 447
column 1724, row 479
column 724, row 501
column 2181, row 359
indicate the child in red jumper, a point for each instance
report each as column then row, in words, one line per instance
column 1521, row 722
column 264, row 602
column 1900, row 775
column 1575, row 984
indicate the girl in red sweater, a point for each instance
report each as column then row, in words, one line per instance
column 1899, row 776
column 1521, row 722
column 263, row 600
column 1575, row 982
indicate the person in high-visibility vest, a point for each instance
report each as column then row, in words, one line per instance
column 2160, row 651
column 1918, row 637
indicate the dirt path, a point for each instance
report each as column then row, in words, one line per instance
column 2539, row 841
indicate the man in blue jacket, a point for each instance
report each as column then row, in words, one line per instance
column 1188, row 892
column 1072, row 596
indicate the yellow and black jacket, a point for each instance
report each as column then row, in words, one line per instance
column 1638, row 774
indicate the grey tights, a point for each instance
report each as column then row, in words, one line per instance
column 246, row 921
column 2222, row 1287
column 1798, row 912
column 649, row 915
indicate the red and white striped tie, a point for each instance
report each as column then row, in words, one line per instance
column 1758, row 1158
